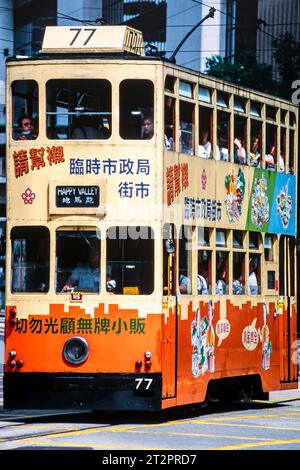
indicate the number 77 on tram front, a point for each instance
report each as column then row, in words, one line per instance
column 150, row 247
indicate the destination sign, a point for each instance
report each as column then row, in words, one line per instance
column 77, row 196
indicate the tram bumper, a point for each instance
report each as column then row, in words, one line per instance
column 114, row 392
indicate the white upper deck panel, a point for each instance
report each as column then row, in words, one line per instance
column 93, row 39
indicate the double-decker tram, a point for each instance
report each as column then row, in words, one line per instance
column 151, row 230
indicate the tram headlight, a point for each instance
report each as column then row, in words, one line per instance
column 76, row 350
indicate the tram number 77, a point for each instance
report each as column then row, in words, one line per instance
column 141, row 382
column 78, row 31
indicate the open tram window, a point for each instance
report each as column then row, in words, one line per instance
column 136, row 105
column 77, row 261
column 292, row 152
column 30, row 259
column 25, row 109
column 185, row 260
column 282, row 157
column 255, row 143
column 204, row 272
column 169, row 259
column 240, row 140
column 223, row 136
column 271, row 147
column 186, row 124
column 269, row 247
column 222, row 272
column 130, row 259
column 254, row 281
column 170, row 123
column 78, row 109
column 205, row 132
column 238, row 284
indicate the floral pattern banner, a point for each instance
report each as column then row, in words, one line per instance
column 272, row 203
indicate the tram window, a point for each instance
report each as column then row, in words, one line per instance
column 222, row 273
column 223, row 136
column 269, row 247
column 238, row 285
column 170, row 123
column 204, row 236
column 170, row 83
column 254, row 240
column 185, row 260
column 204, row 272
column 78, row 109
column 271, row 147
column 291, row 248
column 204, row 95
column 186, row 128
column 282, row 150
column 169, row 257
column 77, row 261
column 271, row 280
column 254, row 274
column 185, row 89
column 25, row 109
column 221, row 238
column 130, row 253
column 271, row 113
column 292, row 119
column 136, row 104
column 282, row 266
column 255, row 143
column 239, row 105
column 205, row 132
column 240, row 140
column 30, row 259
column 222, row 100
column 283, row 114
column 255, row 109
column 292, row 152
column 238, row 239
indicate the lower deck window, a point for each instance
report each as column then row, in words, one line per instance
column 30, row 259
column 77, row 261
column 130, row 260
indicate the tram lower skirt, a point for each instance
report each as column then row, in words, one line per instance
column 82, row 391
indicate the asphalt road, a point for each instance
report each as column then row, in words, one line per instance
column 273, row 425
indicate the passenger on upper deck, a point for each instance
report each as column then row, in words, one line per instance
column 221, row 281
column 254, row 153
column 240, row 155
column 185, row 286
column 147, row 127
column 253, row 284
column 204, row 148
column 26, row 126
column 221, row 150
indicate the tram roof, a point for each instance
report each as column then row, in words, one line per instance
column 120, row 46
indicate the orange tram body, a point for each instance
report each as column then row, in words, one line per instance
column 151, row 230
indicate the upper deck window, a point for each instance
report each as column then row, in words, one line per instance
column 78, row 109
column 136, row 109
column 239, row 105
column 25, row 109
column 185, row 89
column 204, row 95
column 30, row 259
column 255, row 109
column 222, row 100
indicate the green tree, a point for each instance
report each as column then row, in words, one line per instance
column 245, row 71
column 287, row 56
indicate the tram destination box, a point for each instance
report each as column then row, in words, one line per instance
column 76, row 198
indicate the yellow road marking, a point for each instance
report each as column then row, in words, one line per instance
column 258, row 444
column 280, row 428
column 193, row 434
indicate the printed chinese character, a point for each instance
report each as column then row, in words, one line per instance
column 170, row 185
column 109, row 166
column 143, row 166
column 37, row 158
column 84, row 326
column 142, row 190
column 51, row 324
column 20, row 163
column 184, row 175
column 126, row 166
column 35, row 325
column 76, row 166
column 125, row 189
column 93, row 166
column 67, row 326
column 55, row 154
